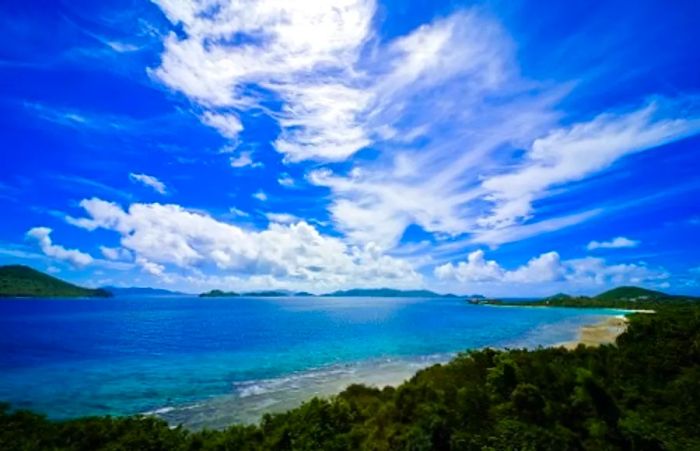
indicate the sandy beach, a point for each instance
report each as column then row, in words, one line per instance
column 603, row 332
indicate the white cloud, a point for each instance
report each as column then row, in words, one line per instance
column 475, row 269
column 244, row 159
column 42, row 235
column 498, row 236
column 573, row 153
column 282, row 218
column 162, row 236
column 615, row 243
column 444, row 106
column 548, row 267
column 302, row 51
column 149, row 181
column 285, row 180
column 149, row 267
column 238, row 212
column 227, row 124
column 260, row 195
column 115, row 253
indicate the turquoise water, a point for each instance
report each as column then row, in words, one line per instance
column 209, row 362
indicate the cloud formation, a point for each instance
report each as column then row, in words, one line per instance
column 548, row 267
column 302, row 52
column 150, row 181
column 573, row 153
column 42, row 235
column 161, row 236
column 615, row 243
column 446, row 99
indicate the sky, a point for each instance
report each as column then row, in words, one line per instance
column 507, row 148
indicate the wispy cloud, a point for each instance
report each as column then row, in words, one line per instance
column 615, row 243
column 573, row 153
column 282, row 218
column 245, row 159
column 73, row 181
column 445, row 106
column 150, row 181
column 304, row 53
column 285, row 180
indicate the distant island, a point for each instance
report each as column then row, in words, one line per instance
column 355, row 292
column 268, row 293
column 141, row 291
column 23, row 281
column 387, row 293
column 626, row 297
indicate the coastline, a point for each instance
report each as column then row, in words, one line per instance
column 255, row 398
column 602, row 332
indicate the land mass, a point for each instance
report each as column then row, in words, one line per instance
column 267, row 293
column 387, row 293
column 626, row 297
column 141, row 291
column 355, row 292
column 637, row 394
column 23, row 281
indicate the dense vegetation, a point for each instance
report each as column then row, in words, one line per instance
column 621, row 297
column 643, row 394
column 23, row 281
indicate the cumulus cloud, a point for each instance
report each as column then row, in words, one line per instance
column 548, row 267
column 42, row 235
column 150, row 181
column 162, row 236
column 260, row 195
column 615, row 243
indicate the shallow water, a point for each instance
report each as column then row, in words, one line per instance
column 212, row 361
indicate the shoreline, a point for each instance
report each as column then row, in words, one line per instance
column 602, row 332
column 281, row 394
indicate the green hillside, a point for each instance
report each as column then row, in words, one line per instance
column 620, row 297
column 23, row 281
column 631, row 294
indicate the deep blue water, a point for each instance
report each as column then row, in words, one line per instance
column 204, row 361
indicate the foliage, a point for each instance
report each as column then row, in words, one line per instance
column 643, row 394
column 621, row 297
column 23, row 281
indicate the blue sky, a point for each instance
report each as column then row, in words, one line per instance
column 497, row 147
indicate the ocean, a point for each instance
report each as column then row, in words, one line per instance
column 209, row 362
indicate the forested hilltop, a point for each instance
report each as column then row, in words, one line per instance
column 634, row 298
column 23, row 281
column 642, row 394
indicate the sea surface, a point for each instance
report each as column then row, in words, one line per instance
column 213, row 361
